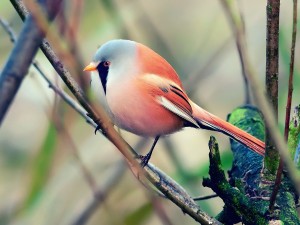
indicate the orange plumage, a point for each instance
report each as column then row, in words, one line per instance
column 145, row 95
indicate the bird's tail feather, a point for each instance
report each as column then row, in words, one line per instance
column 212, row 122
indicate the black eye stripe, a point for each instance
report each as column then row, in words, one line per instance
column 103, row 68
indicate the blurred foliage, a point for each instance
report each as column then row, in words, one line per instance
column 140, row 215
column 41, row 167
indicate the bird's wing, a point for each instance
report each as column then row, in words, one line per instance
column 170, row 96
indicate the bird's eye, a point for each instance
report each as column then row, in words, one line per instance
column 106, row 63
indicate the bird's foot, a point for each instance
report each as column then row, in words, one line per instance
column 144, row 159
column 97, row 128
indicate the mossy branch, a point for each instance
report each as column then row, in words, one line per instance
column 245, row 201
column 233, row 198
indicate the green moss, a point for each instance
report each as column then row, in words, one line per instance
column 242, row 117
column 255, row 210
column 288, row 214
column 271, row 164
column 234, row 198
column 294, row 132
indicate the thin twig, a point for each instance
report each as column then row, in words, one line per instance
column 184, row 201
column 103, row 191
column 69, row 21
column 160, row 39
column 288, row 106
column 70, row 101
column 201, row 198
column 98, row 194
column 102, row 120
column 200, row 73
column 102, row 194
column 238, row 29
column 291, row 75
column 264, row 106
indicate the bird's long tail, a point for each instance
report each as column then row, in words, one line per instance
column 209, row 121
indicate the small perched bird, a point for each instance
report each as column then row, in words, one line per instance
column 144, row 95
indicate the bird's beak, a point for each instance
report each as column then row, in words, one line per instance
column 91, row 67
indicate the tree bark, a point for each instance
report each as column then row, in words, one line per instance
column 22, row 55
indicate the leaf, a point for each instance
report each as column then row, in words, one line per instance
column 139, row 215
column 41, row 167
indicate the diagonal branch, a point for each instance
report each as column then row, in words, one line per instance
column 21, row 56
column 162, row 182
column 238, row 29
column 72, row 103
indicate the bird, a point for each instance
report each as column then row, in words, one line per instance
column 144, row 95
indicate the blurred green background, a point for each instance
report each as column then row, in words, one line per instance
column 44, row 144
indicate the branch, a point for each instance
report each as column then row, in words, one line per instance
column 271, row 161
column 21, row 56
column 271, row 124
column 291, row 76
column 102, row 120
column 273, row 9
column 200, row 73
column 289, row 101
column 233, row 198
column 245, row 175
column 163, row 183
column 103, row 191
column 73, row 104
column 70, row 101
column 247, row 164
column 238, row 29
column 201, row 198
column 101, row 194
column 177, row 194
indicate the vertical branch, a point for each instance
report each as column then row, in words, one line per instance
column 291, row 76
column 273, row 8
column 288, row 106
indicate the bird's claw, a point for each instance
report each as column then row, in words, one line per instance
column 144, row 160
column 97, row 128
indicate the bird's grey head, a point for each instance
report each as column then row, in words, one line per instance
column 113, row 59
column 115, row 51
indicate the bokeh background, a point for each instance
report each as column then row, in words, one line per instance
column 46, row 149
